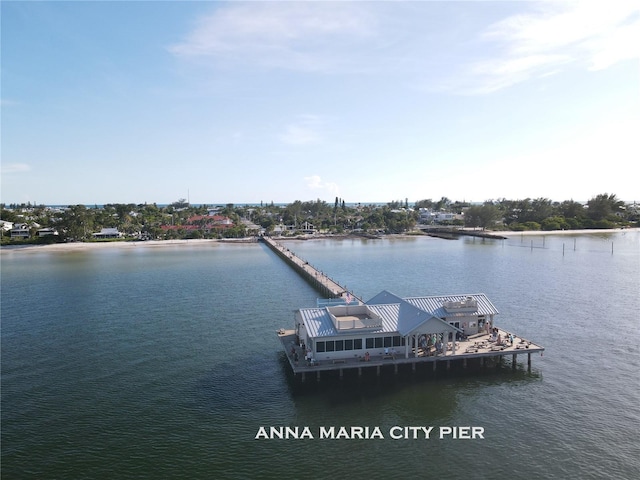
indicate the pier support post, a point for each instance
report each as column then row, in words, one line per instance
column 513, row 361
column 413, row 367
column 448, row 364
column 464, row 363
column 318, row 375
column 482, row 361
column 303, row 377
column 434, row 365
column 341, row 373
column 359, row 371
column 378, row 370
column 395, row 369
column 529, row 362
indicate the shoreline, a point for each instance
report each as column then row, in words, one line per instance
column 586, row 231
column 80, row 246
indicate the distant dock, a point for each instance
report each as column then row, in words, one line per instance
column 452, row 233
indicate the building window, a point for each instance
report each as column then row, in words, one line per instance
column 369, row 342
column 320, row 347
column 330, row 346
column 397, row 341
column 388, row 341
column 348, row 344
column 339, row 345
column 357, row 344
column 378, row 342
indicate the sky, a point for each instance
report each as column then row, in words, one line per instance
column 368, row 101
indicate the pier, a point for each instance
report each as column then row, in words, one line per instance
column 391, row 333
column 453, row 233
column 324, row 284
column 477, row 349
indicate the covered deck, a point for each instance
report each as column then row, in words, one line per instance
column 480, row 346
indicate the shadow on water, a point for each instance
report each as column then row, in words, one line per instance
column 353, row 387
column 258, row 383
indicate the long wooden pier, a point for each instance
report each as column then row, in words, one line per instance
column 327, row 286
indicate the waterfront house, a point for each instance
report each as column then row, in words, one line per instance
column 20, row 230
column 388, row 325
column 46, row 232
column 108, row 233
column 204, row 223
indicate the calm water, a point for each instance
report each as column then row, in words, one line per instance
column 162, row 362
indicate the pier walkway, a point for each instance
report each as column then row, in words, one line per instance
column 318, row 279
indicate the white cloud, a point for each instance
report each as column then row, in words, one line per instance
column 593, row 35
column 314, row 182
column 15, row 168
column 305, row 131
column 308, row 36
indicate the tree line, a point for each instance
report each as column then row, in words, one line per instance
column 602, row 211
column 146, row 221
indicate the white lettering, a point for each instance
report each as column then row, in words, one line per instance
column 327, row 433
column 280, row 433
column 351, row 433
column 462, row 433
column 413, row 433
column 427, row 431
column 306, row 433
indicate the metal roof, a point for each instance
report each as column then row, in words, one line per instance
column 435, row 305
column 318, row 322
column 398, row 315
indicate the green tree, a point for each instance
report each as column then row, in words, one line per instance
column 76, row 223
column 604, row 207
column 482, row 216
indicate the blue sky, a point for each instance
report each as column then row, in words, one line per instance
column 132, row 102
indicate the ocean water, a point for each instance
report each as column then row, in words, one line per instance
column 162, row 362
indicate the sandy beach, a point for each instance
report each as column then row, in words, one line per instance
column 566, row 232
column 79, row 246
